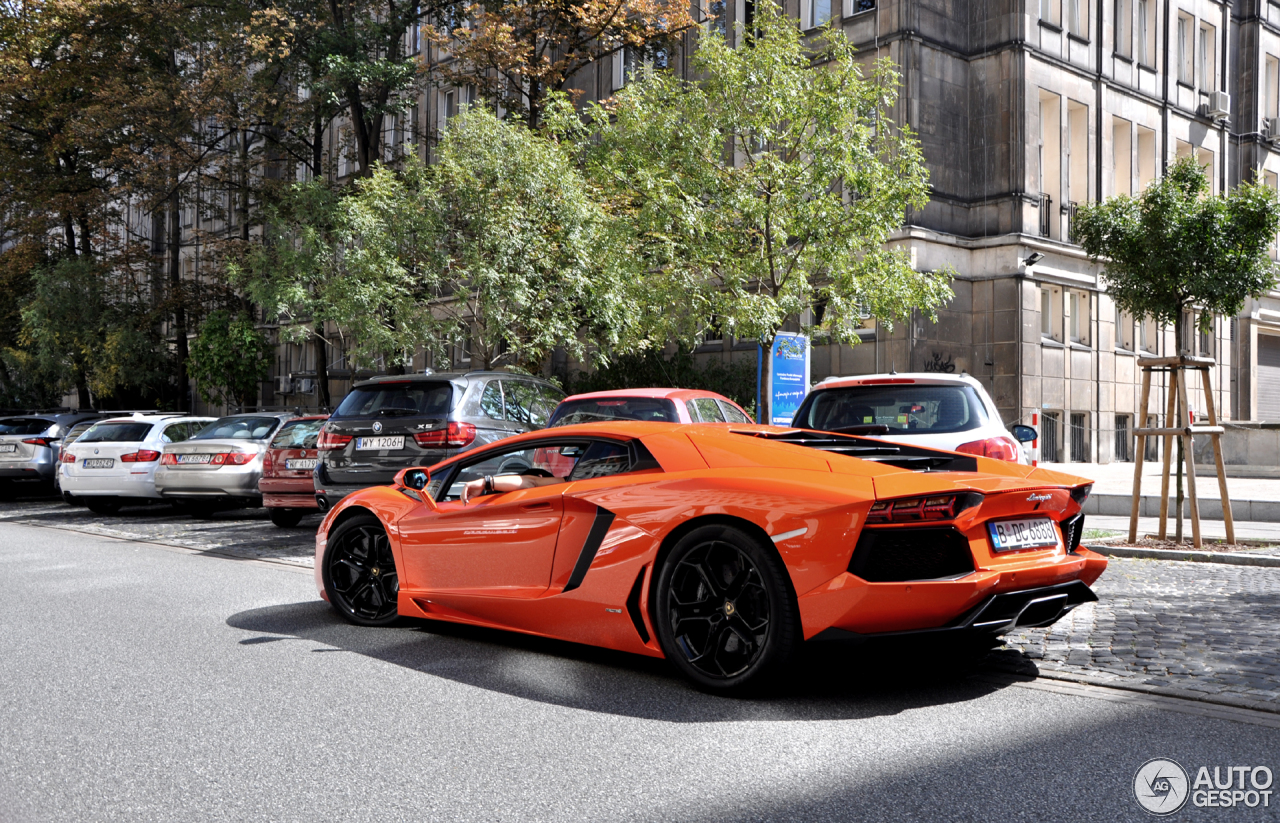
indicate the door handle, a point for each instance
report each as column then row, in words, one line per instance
column 537, row 507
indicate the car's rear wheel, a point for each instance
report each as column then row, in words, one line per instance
column 359, row 572
column 103, row 505
column 726, row 614
column 286, row 518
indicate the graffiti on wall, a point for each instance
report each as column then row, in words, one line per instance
column 940, row 364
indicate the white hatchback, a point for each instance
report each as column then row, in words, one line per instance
column 115, row 461
column 940, row 411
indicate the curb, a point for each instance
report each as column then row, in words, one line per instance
column 1195, row 556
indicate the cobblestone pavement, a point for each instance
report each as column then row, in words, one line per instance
column 245, row 533
column 1200, row 630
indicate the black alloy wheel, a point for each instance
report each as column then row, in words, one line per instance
column 103, row 505
column 286, row 518
column 359, row 572
column 726, row 615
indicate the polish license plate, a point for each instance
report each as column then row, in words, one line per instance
column 99, row 462
column 379, row 443
column 5, row 448
column 1022, row 534
column 194, row 458
column 298, row 464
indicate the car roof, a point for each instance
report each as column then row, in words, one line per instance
column 671, row 394
column 304, row 418
column 447, row 377
column 152, row 418
column 277, row 415
column 921, row 378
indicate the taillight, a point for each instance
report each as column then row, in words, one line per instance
column 231, row 458
column 168, row 459
column 39, row 441
column 67, row 457
column 328, row 441
column 457, row 434
column 997, row 448
column 1081, row 493
column 917, row 509
column 140, row 456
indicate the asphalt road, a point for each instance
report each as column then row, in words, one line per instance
column 140, row 682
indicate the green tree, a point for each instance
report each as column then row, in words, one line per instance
column 1175, row 247
column 229, row 359
column 497, row 244
column 764, row 187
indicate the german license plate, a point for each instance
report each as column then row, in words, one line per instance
column 99, row 462
column 194, row 458
column 1022, row 534
column 379, row 443
column 298, row 464
column 5, row 448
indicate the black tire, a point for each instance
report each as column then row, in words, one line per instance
column 286, row 518
column 103, row 505
column 71, row 500
column 6, row 490
column 355, row 572
column 725, row 612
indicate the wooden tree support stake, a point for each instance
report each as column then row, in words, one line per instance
column 1178, row 410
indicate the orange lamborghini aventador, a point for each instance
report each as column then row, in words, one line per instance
column 721, row 549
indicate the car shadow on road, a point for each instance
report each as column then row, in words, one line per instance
column 829, row 681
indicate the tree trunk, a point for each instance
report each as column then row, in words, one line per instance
column 179, row 301
column 322, row 367
column 765, row 413
column 84, row 401
column 317, row 148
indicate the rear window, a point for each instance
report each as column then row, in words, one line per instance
column 238, row 428
column 904, row 408
column 614, row 408
column 24, row 425
column 116, row 433
column 297, row 434
column 396, row 400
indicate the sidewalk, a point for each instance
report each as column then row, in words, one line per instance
column 1253, row 499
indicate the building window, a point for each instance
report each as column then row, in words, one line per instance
column 1049, row 437
column 1050, row 149
column 1271, row 92
column 1122, row 155
column 1078, row 316
column 1146, row 157
column 1049, row 11
column 1205, row 340
column 718, row 16
column 1124, row 17
column 1124, row 331
column 1207, row 55
column 1124, row 451
column 1148, row 337
column 815, row 13
column 1206, row 160
column 1051, row 313
column 1078, row 18
column 1146, row 32
column 1079, row 438
column 1185, row 57
column 852, row 7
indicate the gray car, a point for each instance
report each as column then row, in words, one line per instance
column 220, row 464
column 29, row 448
column 389, row 423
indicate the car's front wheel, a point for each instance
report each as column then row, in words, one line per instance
column 726, row 614
column 359, row 572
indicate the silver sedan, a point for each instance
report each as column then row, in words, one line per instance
column 221, row 463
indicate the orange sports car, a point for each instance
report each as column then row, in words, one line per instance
column 721, row 549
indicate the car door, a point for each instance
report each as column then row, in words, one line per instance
column 499, row 544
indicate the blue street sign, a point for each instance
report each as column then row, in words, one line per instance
column 788, row 376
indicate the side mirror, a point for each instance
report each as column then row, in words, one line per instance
column 1024, row 434
column 414, row 478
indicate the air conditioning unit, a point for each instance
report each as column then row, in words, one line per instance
column 306, row 385
column 1271, row 129
column 284, row 384
column 1218, row 106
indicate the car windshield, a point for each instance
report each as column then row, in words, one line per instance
column 297, row 434
column 24, row 425
column 396, row 400
column 238, row 428
column 116, row 433
column 903, row 408
column 614, row 408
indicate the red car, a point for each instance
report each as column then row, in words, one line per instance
column 719, row 548
column 288, row 490
column 656, row 405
